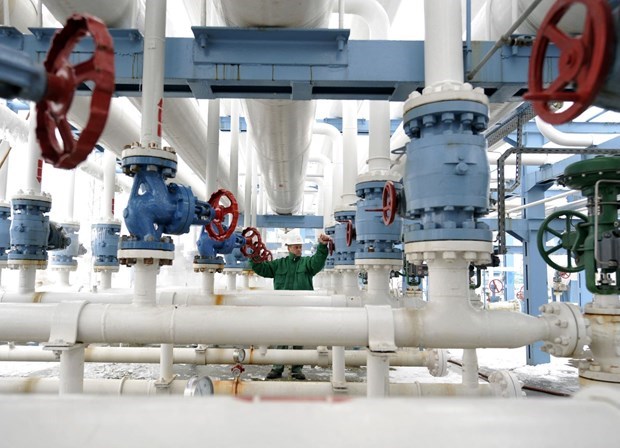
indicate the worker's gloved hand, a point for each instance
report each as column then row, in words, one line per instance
column 324, row 239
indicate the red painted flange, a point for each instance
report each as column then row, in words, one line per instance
column 62, row 81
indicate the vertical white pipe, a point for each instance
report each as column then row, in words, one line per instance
column 254, row 189
column 448, row 281
column 63, row 277
column 71, row 370
column 4, row 170
column 145, row 283
column 234, row 147
column 349, row 174
column 39, row 13
column 443, row 43
column 27, row 279
column 245, row 282
column 247, row 209
column 341, row 9
column 231, row 279
column 338, row 366
column 337, row 282
column 378, row 284
column 208, row 282
column 153, row 73
column 105, row 280
column 379, row 138
column 349, row 283
column 109, row 174
column 213, row 145
column 377, row 374
column 69, row 197
column 470, row 368
column 32, row 155
column 166, row 360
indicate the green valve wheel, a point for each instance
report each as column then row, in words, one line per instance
column 571, row 239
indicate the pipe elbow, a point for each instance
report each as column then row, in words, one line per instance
column 562, row 138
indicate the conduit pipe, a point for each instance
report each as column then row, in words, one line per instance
column 326, row 186
column 443, row 63
column 457, row 325
column 562, row 138
column 142, row 421
column 195, row 356
column 234, row 147
column 349, row 139
column 124, row 386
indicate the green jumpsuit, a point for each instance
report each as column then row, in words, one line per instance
column 294, row 273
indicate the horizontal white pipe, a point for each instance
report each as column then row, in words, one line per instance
column 562, row 138
column 178, row 421
column 542, row 201
column 277, row 325
column 289, row 389
column 197, row 356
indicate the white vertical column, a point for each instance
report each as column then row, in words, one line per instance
column 234, row 147
column 145, row 282
column 109, row 174
column 213, row 145
column 166, row 359
column 4, row 170
column 71, row 370
column 338, row 367
column 377, row 374
column 349, row 283
column 349, row 131
column 443, row 44
column 231, row 279
column 208, row 282
column 470, row 368
column 247, row 208
column 153, row 71
column 31, row 156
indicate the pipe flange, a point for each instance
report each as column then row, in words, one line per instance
column 129, row 257
column 593, row 371
column 26, row 263
column 590, row 308
column 437, row 362
column 377, row 176
column 211, row 268
column 569, row 330
column 106, row 268
column 477, row 252
column 506, row 384
column 445, row 92
column 378, row 263
column 135, row 157
column 30, row 198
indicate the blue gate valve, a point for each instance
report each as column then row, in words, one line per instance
column 210, row 249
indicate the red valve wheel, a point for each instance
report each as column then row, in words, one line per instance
column 252, row 241
column 584, row 60
column 565, row 275
column 216, row 228
column 496, row 286
column 350, row 236
column 262, row 254
column 390, row 203
column 331, row 247
column 521, row 293
column 63, row 79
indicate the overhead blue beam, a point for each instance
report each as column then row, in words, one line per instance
column 287, row 64
column 289, row 221
column 363, row 125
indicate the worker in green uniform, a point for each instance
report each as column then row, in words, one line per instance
column 293, row 272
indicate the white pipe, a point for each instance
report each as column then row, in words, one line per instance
column 349, row 133
column 338, row 357
column 145, row 282
column 231, row 281
column 166, row 372
column 234, row 148
column 5, row 147
column 374, row 14
column 255, row 187
column 350, row 286
column 180, row 421
column 63, row 277
column 336, row 155
column 71, row 370
column 153, row 73
column 27, row 279
column 280, row 325
column 31, row 156
column 123, row 14
column 563, row 138
column 341, row 11
column 213, row 145
column 255, row 389
column 105, row 280
column 109, row 175
column 378, row 291
column 542, row 201
column 338, row 366
column 443, row 43
column 247, row 207
column 470, row 368
column 377, row 374
column 326, row 187
column 69, row 196
column 208, row 282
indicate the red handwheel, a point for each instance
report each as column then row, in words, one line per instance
column 350, row 235
column 390, row 203
column 252, row 241
column 331, row 247
column 216, row 228
column 584, row 62
column 63, row 79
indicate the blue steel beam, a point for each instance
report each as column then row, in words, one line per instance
column 363, row 125
column 286, row 64
column 289, row 221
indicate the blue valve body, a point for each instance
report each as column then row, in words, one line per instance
column 66, row 257
column 375, row 239
column 447, row 174
column 105, row 238
column 344, row 255
column 5, row 231
column 330, row 231
column 210, row 249
column 29, row 229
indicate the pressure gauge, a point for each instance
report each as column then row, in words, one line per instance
column 199, row 386
column 238, row 355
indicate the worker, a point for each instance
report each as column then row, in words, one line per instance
column 293, row 272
